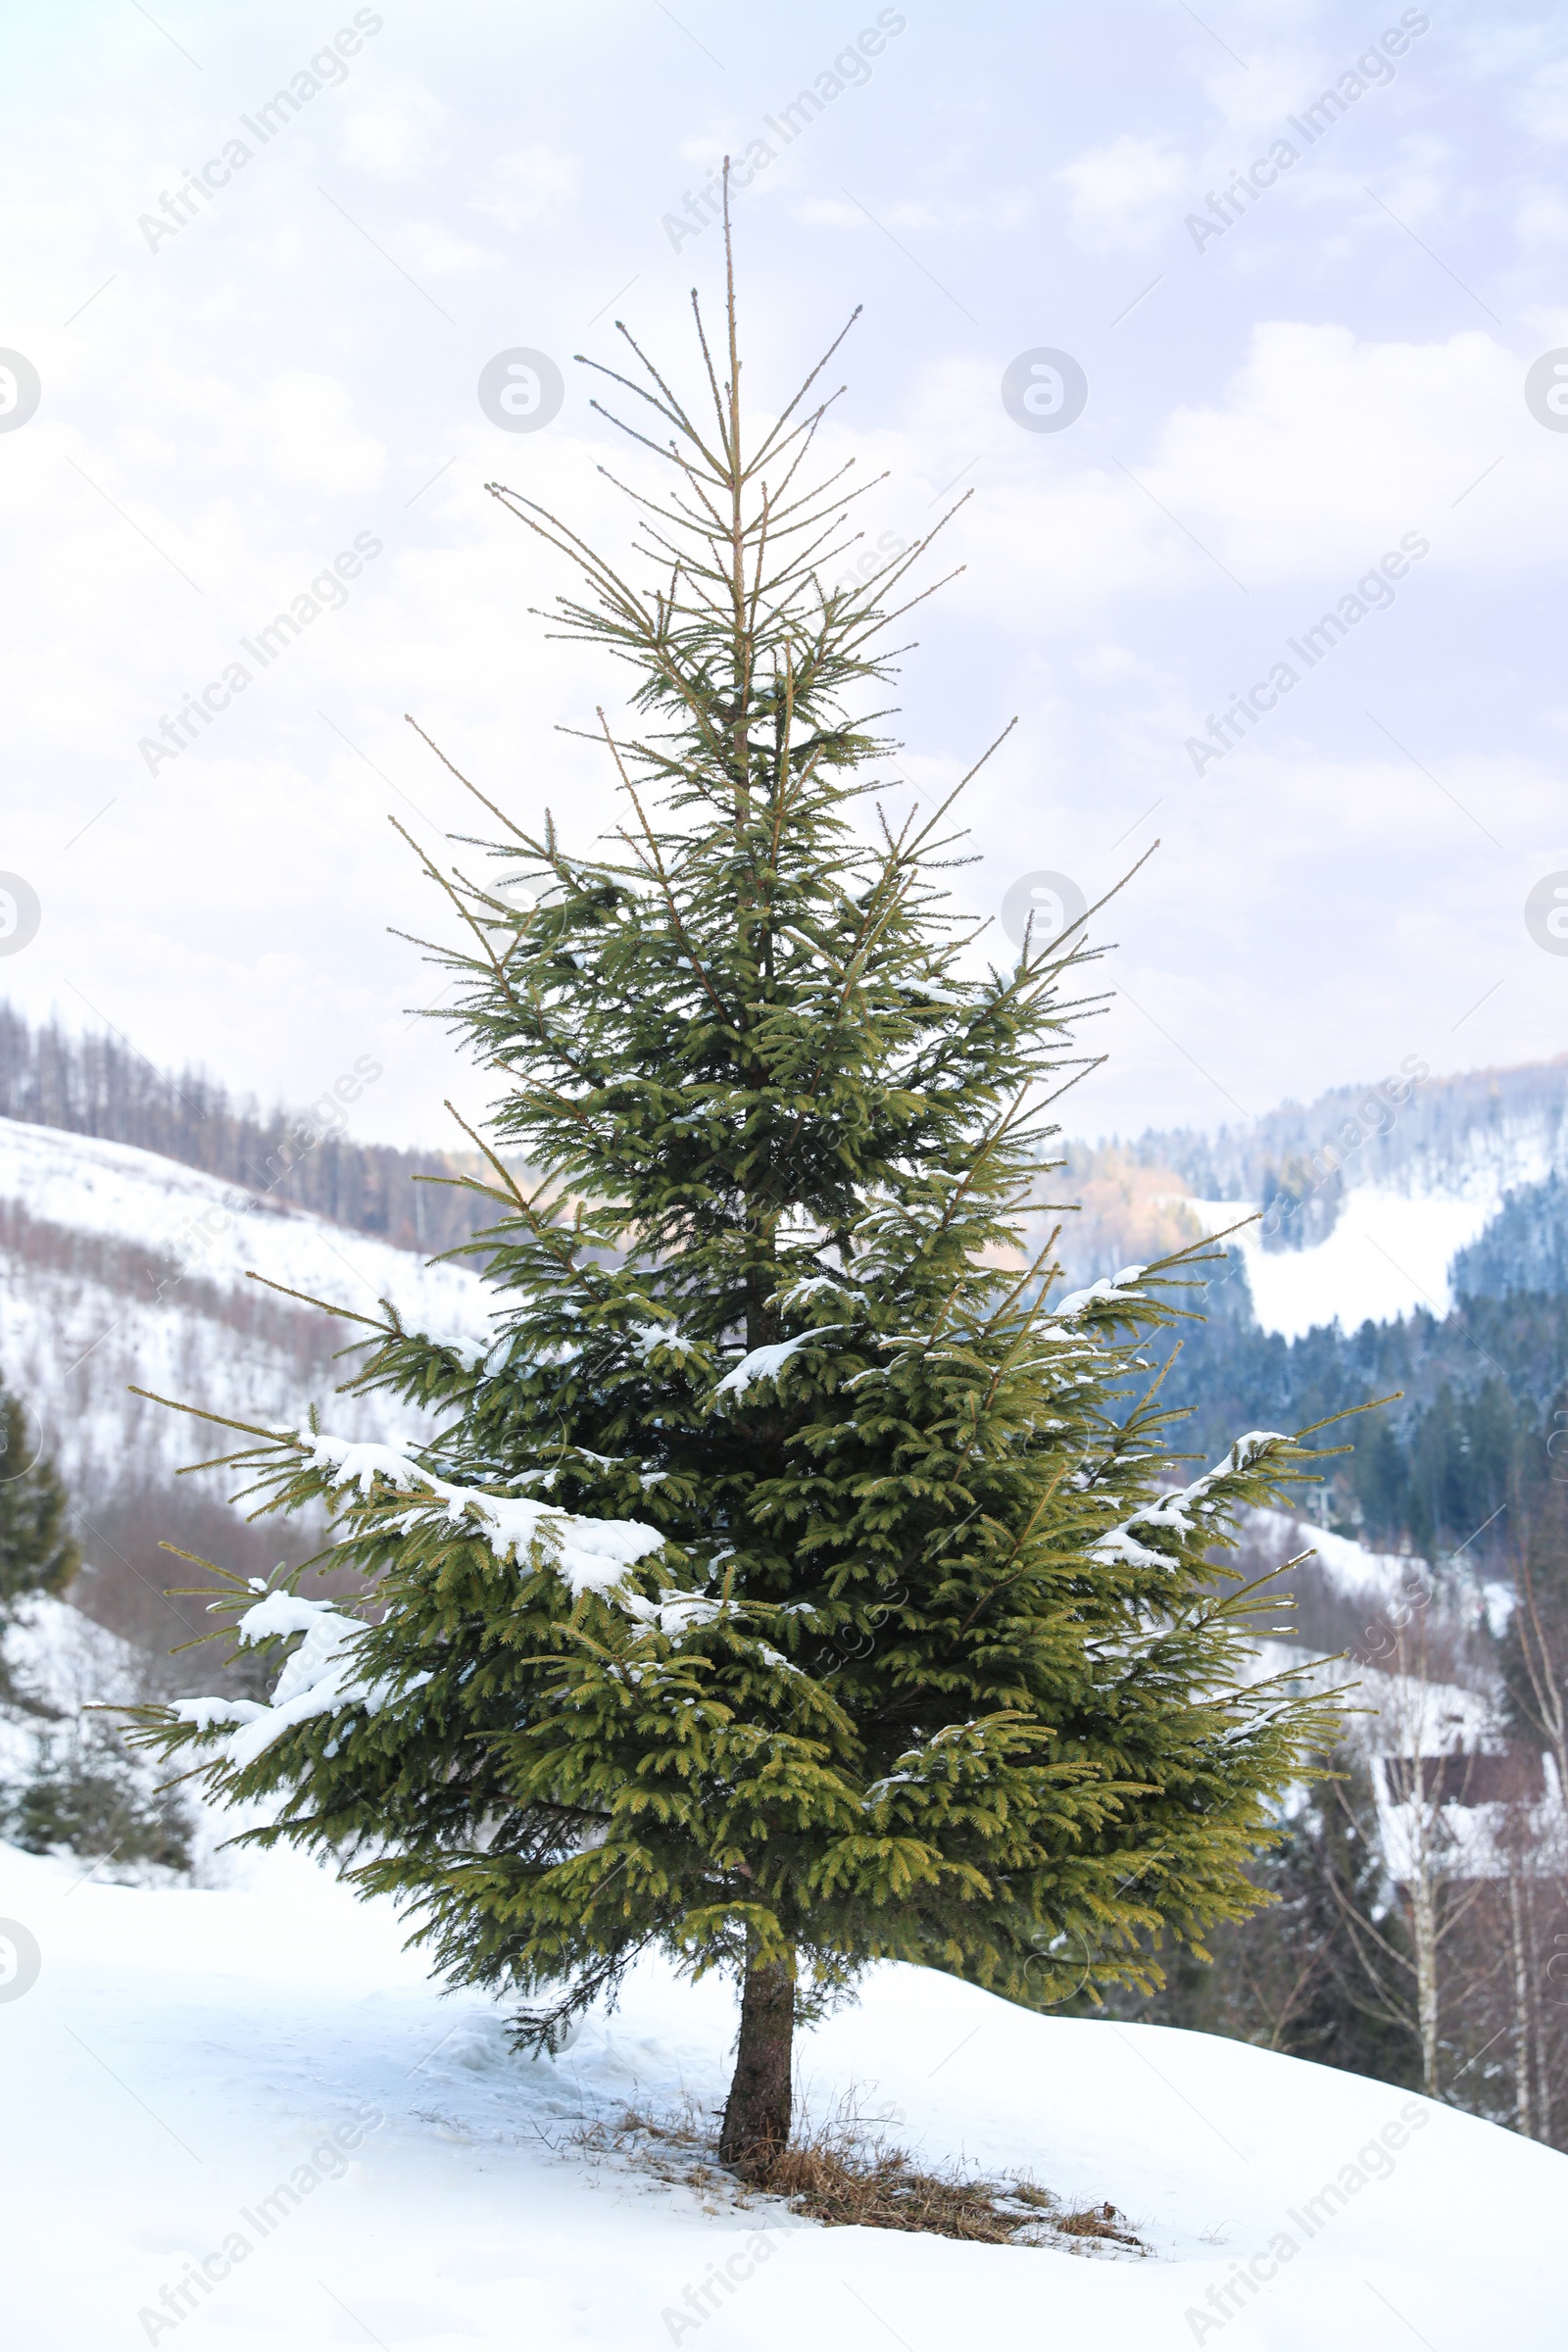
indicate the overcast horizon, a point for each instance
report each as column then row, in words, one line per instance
column 1247, row 332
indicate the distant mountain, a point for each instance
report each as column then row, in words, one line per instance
column 1479, row 1133
column 1410, row 1237
column 1473, row 1397
column 131, row 1204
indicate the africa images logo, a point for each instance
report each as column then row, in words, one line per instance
column 19, row 390
column 326, row 68
column 20, row 913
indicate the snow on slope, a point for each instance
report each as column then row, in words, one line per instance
column 1391, row 1179
column 169, row 1309
column 1389, row 1254
column 184, row 2058
column 58, row 1662
column 1400, row 1581
column 1394, row 1714
column 61, row 1658
column 1350, row 1567
column 220, row 1233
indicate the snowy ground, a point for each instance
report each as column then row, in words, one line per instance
column 60, row 1658
column 1348, row 1566
column 242, row 2115
column 184, row 2053
column 1400, row 1583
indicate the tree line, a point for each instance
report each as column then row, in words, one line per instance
column 1474, row 1396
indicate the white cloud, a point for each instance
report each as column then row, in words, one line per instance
column 428, row 250
column 393, row 134
column 1415, row 180
column 1286, row 861
column 1125, row 196
column 1321, row 451
column 1544, row 106
column 1541, row 219
column 1103, row 662
column 527, row 190
column 835, row 212
column 1325, row 447
column 1003, row 212
column 313, row 440
column 263, row 387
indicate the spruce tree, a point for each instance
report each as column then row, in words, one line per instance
column 37, row 1551
column 795, row 1581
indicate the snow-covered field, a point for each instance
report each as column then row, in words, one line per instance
column 275, row 2127
column 264, row 2127
column 1348, row 1566
column 1421, row 1171
column 59, row 1658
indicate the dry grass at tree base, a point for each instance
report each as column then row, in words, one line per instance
column 838, row 2174
column 879, row 2188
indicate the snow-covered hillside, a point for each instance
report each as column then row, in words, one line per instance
column 58, row 1660
column 275, row 2131
column 284, row 2132
column 1388, row 1182
column 1389, row 1254
column 120, row 1266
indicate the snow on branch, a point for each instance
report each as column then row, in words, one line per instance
column 800, row 1293
column 944, row 1752
column 646, row 1337
column 766, row 1363
column 471, row 1352
column 589, row 1555
column 1109, row 1288
column 1174, row 1514
column 323, row 1676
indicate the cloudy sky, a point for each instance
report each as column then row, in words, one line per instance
column 1309, row 261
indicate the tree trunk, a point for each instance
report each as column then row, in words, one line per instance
column 1544, row 2068
column 757, row 2118
column 1424, row 1936
column 1522, row 2038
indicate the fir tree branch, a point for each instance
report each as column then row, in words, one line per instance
column 306, row 1299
